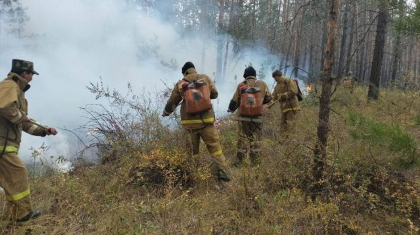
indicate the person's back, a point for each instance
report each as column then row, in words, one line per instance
column 349, row 81
column 249, row 128
column 192, row 120
column 249, row 82
column 199, row 125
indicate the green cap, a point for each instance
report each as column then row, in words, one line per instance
column 23, row 65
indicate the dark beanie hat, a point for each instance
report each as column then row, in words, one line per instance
column 187, row 66
column 250, row 71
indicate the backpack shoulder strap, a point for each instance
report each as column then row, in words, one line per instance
column 196, row 79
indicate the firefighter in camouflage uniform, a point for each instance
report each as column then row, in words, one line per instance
column 286, row 92
column 249, row 128
column 199, row 125
column 14, row 119
column 349, row 82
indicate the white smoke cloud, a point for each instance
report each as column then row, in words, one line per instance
column 79, row 41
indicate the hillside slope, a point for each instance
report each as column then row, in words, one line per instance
column 371, row 182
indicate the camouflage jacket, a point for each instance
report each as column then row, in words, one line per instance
column 192, row 121
column 236, row 99
column 349, row 81
column 286, row 92
column 14, row 111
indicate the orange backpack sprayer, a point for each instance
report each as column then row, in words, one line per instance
column 251, row 102
column 196, row 97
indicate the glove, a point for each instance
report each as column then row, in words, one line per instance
column 243, row 88
column 283, row 96
column 51, row 131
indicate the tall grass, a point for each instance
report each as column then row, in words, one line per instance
column 148, row 185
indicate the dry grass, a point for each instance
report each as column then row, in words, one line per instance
column 365, row 193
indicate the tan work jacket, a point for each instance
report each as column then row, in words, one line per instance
column 286, row 92
column 192, row 121
column 251, row 82
column 13, row 113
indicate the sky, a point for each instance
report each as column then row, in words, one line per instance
column 84, row 41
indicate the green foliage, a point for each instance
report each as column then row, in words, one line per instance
column 409, row 21
column 390, row 135
column 146, row 190
column 417, row 119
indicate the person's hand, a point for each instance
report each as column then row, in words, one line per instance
column 164, row 114
column 51, row 131
column 29, row 119
column 283, row 96
column 265, row 108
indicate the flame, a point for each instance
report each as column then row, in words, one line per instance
column 309, row 87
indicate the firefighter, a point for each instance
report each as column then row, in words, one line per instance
column 286, row 93
column 198, row 125
column 13, row 119
column 249, row 128
column 349, row 81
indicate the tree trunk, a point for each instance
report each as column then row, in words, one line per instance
column 324, row 38
column 226, row 57
column 268, row 23
column 373, row 92
column 220, row 32
column 230, row 26
column 203, row 28
column 311, row 64
column 351, row 39
column 276, row 26
column 320, row 151
column 298, row 40
column 283, row 40
column 254, row 20
column 343, row 40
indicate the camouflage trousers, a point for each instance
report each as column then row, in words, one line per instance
column 210, row 137
column 249, row 136
column 14, row 181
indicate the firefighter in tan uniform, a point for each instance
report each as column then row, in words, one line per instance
column 199, row 125
column 14, row 119
column 249, row 128
column 286, row 93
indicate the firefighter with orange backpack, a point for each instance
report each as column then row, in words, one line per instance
column 249, row 98
column 14, row 119
column 197, row 115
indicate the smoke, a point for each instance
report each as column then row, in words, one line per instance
column 73, row 43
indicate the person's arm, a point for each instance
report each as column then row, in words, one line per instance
column 34, row 128
column 234, row 102
column 213, row 90
column 275, row 94
column 173, row 101
column 291, row 90
column 9, row 108
column 267, row 95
